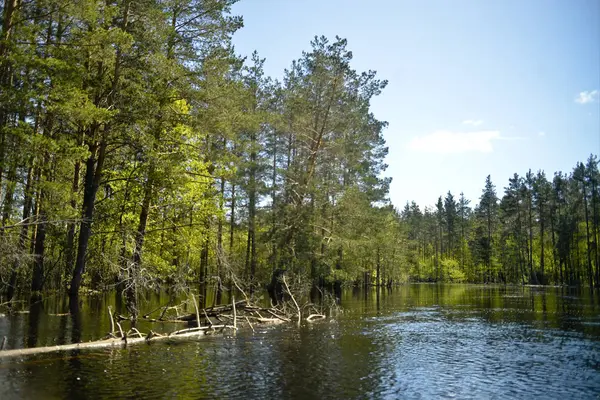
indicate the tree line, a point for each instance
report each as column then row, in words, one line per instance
column 541, row 231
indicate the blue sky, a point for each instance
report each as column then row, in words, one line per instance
column 476, row 87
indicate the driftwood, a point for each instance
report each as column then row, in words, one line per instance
column 217, row 310
column 314, row 317
column 284, row 319
column 242, row 313
column 197, row 310
column 112, row 321
column 185, row 334
column 234, row 313
column 293, row 299
column 250, row 323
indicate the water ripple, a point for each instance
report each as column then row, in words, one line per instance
column 419, row 350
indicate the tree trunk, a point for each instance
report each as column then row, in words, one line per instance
column 543, row 278
column 232, row 218
column 204, row 253
column 595, row 230
column 37, row 280
column 587, row 237
column 553, row 244
column 93, row 174
column 27, row 202
column 273, row 257
column 133, row 270
column 532, row 276
column 252, row 210
column 219, row 290
column 70, row 246
column 378, row 263
column 489, row 243
column 9, row 195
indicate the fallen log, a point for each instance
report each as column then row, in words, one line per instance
column 108, row 343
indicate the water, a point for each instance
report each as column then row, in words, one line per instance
column 416, row 341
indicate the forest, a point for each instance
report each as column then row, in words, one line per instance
column 138, row 150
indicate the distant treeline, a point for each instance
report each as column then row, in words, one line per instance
column 540, row 232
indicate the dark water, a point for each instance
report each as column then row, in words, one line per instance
column 417, row 341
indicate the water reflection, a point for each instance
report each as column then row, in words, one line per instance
column 414, row 341
column 75, row 313
column 36, row 307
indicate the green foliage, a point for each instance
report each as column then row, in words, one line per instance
column 539, row 232
column 137, row 147
column 452, row 268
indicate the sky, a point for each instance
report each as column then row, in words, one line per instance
column 476, row 87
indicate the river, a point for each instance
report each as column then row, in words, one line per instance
column 414, row 341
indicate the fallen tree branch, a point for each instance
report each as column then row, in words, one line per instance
column 314, row 317
column 140, row 334
column 120, row 330
column 234, row 313
column 197, row 311
column 112, row 321
column 210, row 324
column 250, row 323
column 292, row 296
column 240, row 309
column 214, row 311
column 277, row 316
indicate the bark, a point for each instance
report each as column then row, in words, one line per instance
column 131, row 290
column 27, row 202
column 219, row 291
column 112, row 342
column 70, row 246
column 273, row 203
column 93, row 174
column 232, row 218
column 251, row 249
column 204, row 260
column 37, row 279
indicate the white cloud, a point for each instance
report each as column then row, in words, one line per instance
column 541, row 133
column 472, row 122
column 586, row 97
column 447, row 142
